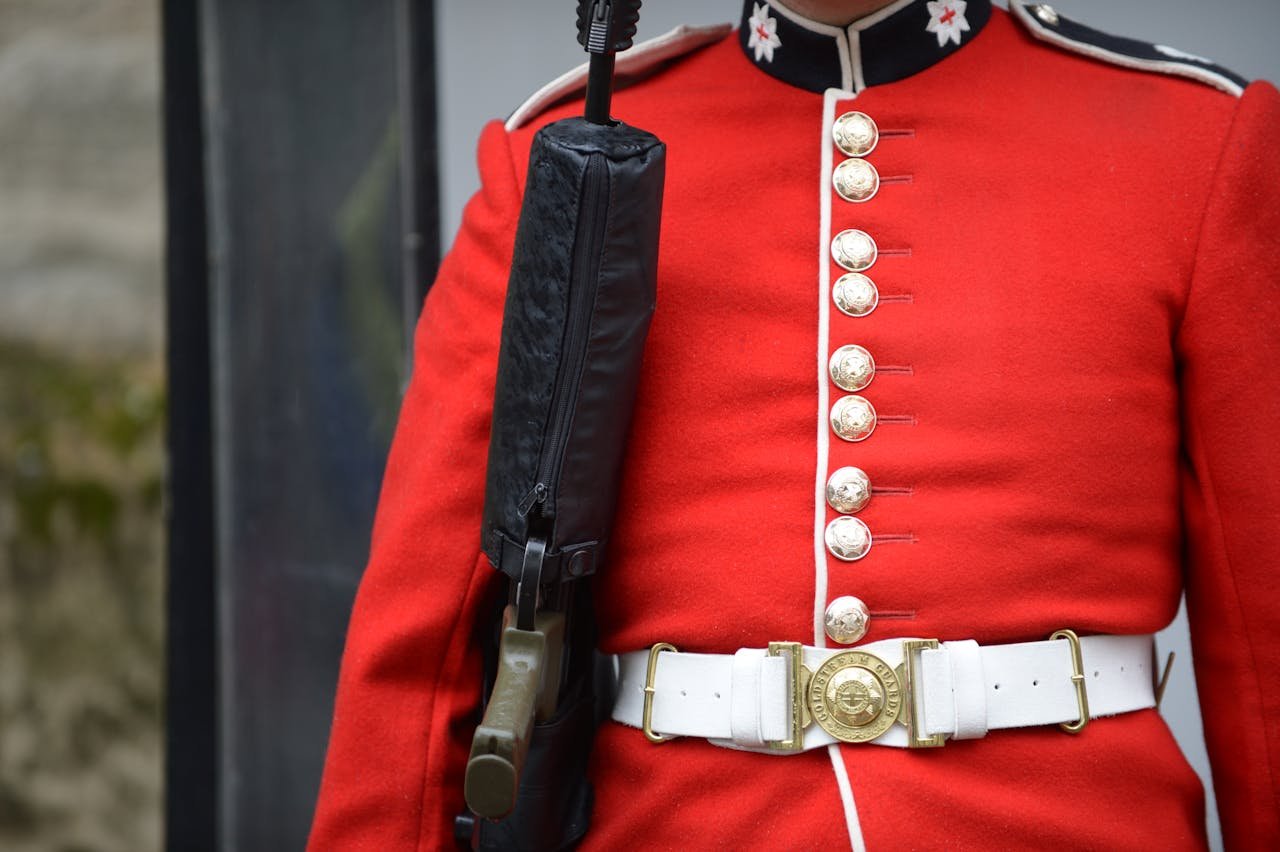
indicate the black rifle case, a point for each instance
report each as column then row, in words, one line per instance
column 581, row 294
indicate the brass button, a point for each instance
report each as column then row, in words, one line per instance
column 847, row 619
column 854, row 250
column 853, row 418
column 852, row 368
column 856, row 180
column 855, row 134
column 1047, row 14
column 848, row 490
column 848, row 539
column 855, row 294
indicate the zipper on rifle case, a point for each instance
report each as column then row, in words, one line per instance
column 588, row 241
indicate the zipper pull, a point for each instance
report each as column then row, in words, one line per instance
column 537, row 495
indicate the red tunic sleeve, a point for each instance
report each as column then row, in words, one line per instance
column 1229, row 355
column 410, row 678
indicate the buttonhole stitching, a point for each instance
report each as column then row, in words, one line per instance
column 889, row 491
column 894, row 538
column 893, row 613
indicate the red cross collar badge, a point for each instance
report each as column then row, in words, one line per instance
column 764, row 32
column 946, row 20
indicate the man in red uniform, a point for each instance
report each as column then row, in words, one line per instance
column 967, row 332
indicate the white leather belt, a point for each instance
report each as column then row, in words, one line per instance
column 900, row 692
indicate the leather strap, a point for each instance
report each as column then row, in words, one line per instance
column 962, row 689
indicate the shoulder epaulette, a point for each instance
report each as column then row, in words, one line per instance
column 631, row 64
column 1046, row 24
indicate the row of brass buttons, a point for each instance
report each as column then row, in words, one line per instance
column 852, row 368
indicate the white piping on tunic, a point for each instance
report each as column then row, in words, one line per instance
column 855, row 62
column 875, row 18
column 829, row 98
column 824, row 393
column 847, row 62
column 846, row 795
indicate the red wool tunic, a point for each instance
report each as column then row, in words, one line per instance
column 1076, row 349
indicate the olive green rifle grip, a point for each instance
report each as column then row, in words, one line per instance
column 528, row 661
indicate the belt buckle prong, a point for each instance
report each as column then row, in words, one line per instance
column 795, row 651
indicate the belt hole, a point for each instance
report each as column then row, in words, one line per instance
column 1095, row 674
column 997, row 686
column 1035, row 683
column 684, row 694
column 1122, row 668
column 717, row 695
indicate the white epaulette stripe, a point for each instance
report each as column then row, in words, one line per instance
column 640, row 57
column 1180, row 69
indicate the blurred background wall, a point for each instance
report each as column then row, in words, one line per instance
column 81, row 417
column 336, row 258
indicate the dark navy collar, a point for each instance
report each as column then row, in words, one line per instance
column 902, row 39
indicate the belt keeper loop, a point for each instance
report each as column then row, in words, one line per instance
column 916, row 737
column 797, row 677
column 969, row 689
column 745, row 693
column 1077, row 678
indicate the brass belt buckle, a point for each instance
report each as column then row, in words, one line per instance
column 855, row 696
column 1077, row 678
column 647, row 718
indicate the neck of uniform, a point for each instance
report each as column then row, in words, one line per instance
column 900, row 40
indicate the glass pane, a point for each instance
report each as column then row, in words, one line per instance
column 308, row 331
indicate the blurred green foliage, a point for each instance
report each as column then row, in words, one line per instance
column 81, row 596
